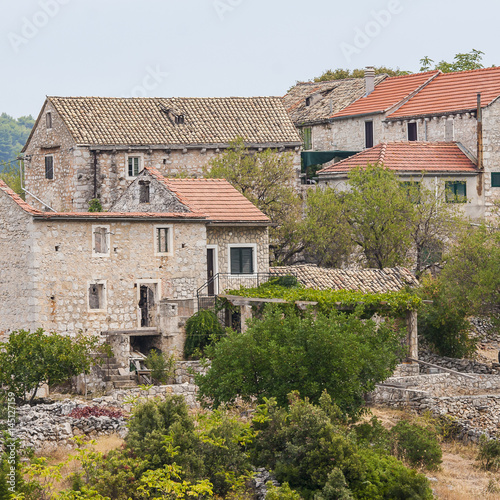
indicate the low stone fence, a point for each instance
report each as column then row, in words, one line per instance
column 459, row 365
column 441, row 394
column 186, row 370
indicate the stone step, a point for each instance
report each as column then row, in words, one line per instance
column 117, row 377
column 124, row 384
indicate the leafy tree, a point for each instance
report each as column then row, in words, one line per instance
column 12, row 176
column 281, row 352
column 13, row 135
column 341, row 74
column 29, row 359
column 268, row 180
column 461, row 62
column 201, row 328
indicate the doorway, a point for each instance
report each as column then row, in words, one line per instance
column 147, row 303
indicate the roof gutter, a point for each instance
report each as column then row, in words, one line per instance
column 332, row 119
column 111, row 147
column 135, row 218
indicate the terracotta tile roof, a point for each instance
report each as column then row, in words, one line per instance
column 217, row 199
column 387, row 94
column 17, row 199
column 452, row 92
column 328, row 98
column 363, row 280
column 151, row 121
column 408, row 156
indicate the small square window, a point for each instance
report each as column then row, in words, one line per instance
column 455, row 191
column 242, row 260
column 96, row 296
column 49, row 167
column 412, row 131
column 134, row 166
column 495, row 179
column 100, row 241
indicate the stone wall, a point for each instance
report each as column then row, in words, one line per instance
column 17, row 267
column 66, row 267
column 491, row 154
column 223, row 237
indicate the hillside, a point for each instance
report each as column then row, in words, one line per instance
column 13, row 135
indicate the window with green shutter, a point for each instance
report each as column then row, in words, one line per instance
column 495, row 179
column 456, row 191
column 242, row 260
column 307, row 138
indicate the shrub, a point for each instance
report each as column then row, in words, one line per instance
column 95, row 205
column 282, row 492
column 489, row 454
column 95, row 411
column 416, row 445
column 443, row 323
column 162, row 367
column 201, row 329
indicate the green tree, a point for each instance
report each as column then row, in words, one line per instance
column 281, row 352
column 13, row 135
column 268, row 180
column 201, row 328
column 29, row 359
column 341, row 74
column 11, row 174
column 461, row 62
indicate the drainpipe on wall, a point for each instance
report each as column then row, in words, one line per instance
column 480, row 166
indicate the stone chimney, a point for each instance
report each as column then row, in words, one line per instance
column 369, row 80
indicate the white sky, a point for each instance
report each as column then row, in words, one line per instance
column 221, row 47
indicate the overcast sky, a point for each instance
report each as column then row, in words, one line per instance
column 221, row 47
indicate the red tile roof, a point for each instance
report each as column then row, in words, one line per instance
column 409, row 157
column 451, row 92
column 16, row 198
column 217, row 199
column 387, row 94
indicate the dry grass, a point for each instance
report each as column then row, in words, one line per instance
column 459, row 478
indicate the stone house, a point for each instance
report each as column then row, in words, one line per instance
column 130, row 275
column 444, row 168
column 91, row 147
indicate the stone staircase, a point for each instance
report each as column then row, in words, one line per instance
column 112, row 372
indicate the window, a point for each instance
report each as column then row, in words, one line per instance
column 412, row 131
column 412, row 189
column 96, row 296
column 179, row 120
column 100, row 241
column 242, row 260
column 307, row 138
column 143, row 191
column 456, row 191
column 48, row 120
column 368, row 134
column 134, row 166
column 163, row 240
column 49, row 167
column 308, row 101
column 495, row 179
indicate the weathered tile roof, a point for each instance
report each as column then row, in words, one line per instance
column 387, row 94
column 453, row 92
column 410, row 156
column 17, row 199
column 329, row 97
column 363, row 280
column 152, row 121
column 217, row 199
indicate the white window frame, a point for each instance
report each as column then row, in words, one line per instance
column 146, row 281
column 141, row 164
column 104, row 305
column 53, row 167
column 108, row 240
column 170, row 228
column 215, row 248
column 242, row 245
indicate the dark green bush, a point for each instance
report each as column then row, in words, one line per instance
column 489, row 454
column 162, row 367
column 202, row 329
column 416, row 445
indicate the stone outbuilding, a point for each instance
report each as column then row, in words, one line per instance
column 83, row 148
column 130, row 275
